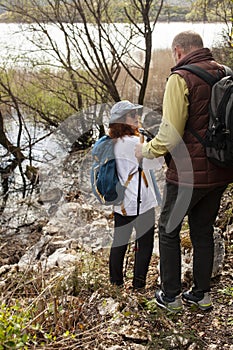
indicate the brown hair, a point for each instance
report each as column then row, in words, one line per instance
column 188, row 41
column 120, row 129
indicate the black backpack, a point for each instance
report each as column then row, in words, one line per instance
column 218, row 141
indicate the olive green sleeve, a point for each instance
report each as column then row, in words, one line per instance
column 175, row 114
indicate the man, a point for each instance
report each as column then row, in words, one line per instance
column 194, row 185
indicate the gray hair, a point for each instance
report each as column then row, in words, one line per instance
column 188, row 41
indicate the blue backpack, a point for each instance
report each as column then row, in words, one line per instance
column 104, row 179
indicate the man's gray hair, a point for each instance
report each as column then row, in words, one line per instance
column 188, row 41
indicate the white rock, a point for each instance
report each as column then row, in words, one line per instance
column 108, row 307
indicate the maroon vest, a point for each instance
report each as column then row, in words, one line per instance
column 189, row 165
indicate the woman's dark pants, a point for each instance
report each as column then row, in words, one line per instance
column 144, row 226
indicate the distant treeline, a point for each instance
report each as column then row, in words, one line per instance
column 168, row 13
column 118, row 11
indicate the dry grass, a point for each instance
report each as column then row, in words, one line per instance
column 161, row 64
column 68, row 308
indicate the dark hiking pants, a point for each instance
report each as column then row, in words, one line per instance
column 202, row 208
column 144, row 226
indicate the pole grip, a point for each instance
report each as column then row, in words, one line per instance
column 141, row 136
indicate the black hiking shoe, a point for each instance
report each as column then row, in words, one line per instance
column 170, row 304
column 203, row 302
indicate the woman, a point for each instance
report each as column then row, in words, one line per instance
column 123, row 128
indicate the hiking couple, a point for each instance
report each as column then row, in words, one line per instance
column 193, row 186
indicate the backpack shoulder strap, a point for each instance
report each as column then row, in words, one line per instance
column 209, row 79
column 200, row 72
column 198, row 137
column 228, row 71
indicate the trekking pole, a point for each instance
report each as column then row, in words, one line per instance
column 139, row 187
column 139, row 179
column 138, row 203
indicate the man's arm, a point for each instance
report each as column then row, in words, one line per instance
column 175, row 114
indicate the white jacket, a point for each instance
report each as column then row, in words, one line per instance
column 127, row 164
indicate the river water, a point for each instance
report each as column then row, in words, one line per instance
column 16, row 46
column 15, row 40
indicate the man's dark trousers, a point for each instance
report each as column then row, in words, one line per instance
column 202, row 210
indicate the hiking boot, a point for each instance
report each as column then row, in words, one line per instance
column 170, row 304
column 203, row 302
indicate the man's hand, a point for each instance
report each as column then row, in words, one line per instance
column 138, row 151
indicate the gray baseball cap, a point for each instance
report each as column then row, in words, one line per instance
column 119, row 109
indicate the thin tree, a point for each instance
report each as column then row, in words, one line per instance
column 95, row 50
column 63, row 79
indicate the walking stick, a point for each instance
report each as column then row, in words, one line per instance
column 138, row 202
column 139, row 188
column 139, row 179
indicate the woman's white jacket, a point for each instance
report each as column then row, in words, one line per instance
column 127, row 164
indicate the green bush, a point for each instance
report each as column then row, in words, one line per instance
column 13, row 322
